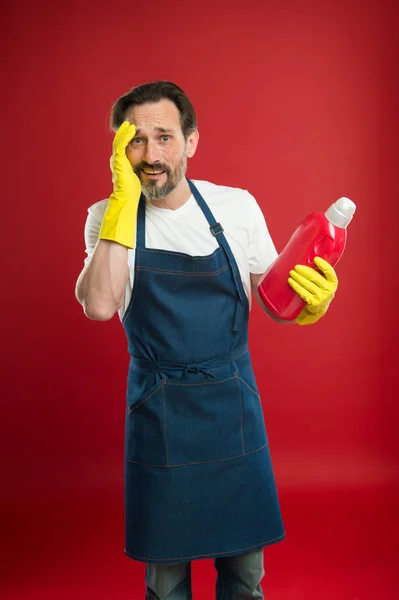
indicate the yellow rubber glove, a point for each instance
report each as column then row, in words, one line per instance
column 315, row 288
column 120, row 218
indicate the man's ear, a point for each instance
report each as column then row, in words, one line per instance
column 192, row 143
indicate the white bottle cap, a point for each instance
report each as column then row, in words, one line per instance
column 341, row 212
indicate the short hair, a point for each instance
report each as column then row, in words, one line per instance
column 154, row 92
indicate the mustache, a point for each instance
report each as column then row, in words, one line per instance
column 156, row 167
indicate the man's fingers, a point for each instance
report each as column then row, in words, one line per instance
column 327, row 269
column 123, row 136
column 305, row 283
column 302, row 292
column 308, row 276
column 312, row 286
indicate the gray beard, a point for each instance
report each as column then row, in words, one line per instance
column 152, row 192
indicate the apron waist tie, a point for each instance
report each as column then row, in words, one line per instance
column 218, row 361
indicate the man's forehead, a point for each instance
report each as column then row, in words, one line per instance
column 140, row 129
column 160, row 115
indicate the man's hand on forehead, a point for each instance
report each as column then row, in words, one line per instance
column 123, row 137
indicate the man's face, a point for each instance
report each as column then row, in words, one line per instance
column 158, row 153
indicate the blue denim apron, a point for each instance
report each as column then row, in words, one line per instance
column 199, row 481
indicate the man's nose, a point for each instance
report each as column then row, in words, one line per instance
column 152, row 153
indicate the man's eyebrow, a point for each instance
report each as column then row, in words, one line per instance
column 160, row 129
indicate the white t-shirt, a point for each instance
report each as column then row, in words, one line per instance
column 187, row 230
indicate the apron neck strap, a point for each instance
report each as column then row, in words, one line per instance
column 140, row 239
column 217, row 230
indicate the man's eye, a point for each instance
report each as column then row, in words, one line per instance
column 166, row 138
column 136, row 141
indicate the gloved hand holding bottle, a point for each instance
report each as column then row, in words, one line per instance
column 315, row 288
column 120, row 218
column 303, row 266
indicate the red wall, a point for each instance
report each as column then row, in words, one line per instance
column 297, row 102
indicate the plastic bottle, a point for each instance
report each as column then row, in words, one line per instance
column 319, row 234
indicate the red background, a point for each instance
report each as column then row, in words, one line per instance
column 297, row 102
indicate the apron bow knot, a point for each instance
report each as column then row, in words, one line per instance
column 197, row 369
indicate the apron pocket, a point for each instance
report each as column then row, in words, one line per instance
column 146, row 436
column 254, row 432
column 203, row 421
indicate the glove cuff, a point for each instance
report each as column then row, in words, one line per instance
column 311, row 314
column 119, row 223
column 321, row 309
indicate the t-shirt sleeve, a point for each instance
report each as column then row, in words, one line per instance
column 92, row 227
column 262, row 251
column 91, row 233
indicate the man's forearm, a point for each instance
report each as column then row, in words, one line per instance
column 101, row 284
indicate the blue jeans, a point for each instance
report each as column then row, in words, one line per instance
column 238, row 577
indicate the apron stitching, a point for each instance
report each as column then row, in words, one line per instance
column 166, row 431
column 133, row 408
column 212, row 553
column 249, row 387
column 189, row 256
column 200, row 383
column 134, row 293
column 171, row 272
column 241, row 413
column 204, row 462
